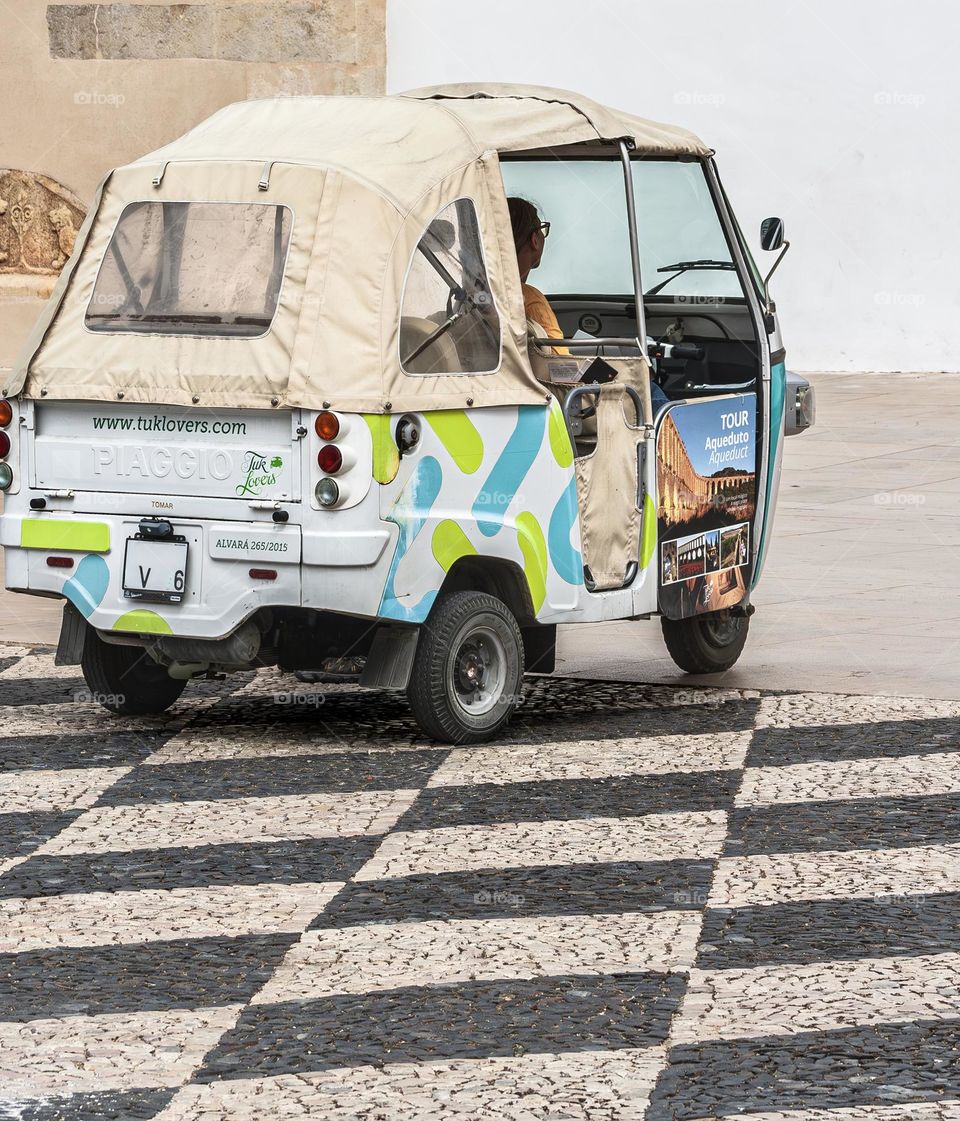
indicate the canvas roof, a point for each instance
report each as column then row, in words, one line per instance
column 401, row 144
column 364, row 176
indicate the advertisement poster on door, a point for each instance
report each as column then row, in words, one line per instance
column 707, row 495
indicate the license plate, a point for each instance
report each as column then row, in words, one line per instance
column 155, row 570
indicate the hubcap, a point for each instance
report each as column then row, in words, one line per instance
column 479, row 670
column 721, row 629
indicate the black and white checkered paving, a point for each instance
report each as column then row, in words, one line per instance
column 646, row 903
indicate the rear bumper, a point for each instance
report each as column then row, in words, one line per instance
column 233, row 569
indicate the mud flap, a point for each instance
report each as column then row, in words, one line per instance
column 73, row 631
column 390, row 661
column 539, row 648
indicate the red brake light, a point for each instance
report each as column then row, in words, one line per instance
column 327, row 426
column 6, row 413
column 330, row 459
column 4, row 445
column 60, row 562
column 263, row 573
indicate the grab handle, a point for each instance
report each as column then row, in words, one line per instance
column 730, row 387
column 597, row 389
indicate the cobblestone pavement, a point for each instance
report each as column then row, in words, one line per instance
column 644, row 903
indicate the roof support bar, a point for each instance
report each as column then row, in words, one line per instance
column 640, row 341
column 634, row 246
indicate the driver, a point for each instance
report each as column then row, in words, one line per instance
column 529, row 236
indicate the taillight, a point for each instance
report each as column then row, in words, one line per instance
column 327, row 426
column 6, row 471
column 329, row 459
column 327, row 492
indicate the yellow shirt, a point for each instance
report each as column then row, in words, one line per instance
column 537, row 307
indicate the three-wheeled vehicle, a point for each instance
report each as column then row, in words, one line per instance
column 285, row 406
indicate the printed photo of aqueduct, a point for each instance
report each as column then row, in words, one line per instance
column 687, row 496
column 704, row 515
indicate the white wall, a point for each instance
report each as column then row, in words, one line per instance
column 840, row 116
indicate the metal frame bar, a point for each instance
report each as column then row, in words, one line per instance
column 745, row 276
column 640, row 341
column 634, row 246
column 589, row 344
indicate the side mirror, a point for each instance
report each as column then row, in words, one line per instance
column 771, row 234
column 771, row 238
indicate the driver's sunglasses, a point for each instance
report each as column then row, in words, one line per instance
column 544, row 228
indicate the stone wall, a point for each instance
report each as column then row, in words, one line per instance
column 87, row 87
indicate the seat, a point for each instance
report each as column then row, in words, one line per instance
column 440, row 357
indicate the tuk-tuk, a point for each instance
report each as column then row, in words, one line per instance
column 285, row 407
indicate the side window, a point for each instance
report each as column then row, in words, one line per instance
column 448, row 321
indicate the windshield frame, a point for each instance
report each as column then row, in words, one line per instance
column 126, row 328
column 592, row 152
column 753, row 269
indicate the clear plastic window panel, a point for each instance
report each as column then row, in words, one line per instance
column 449, row 322
column 192, row 268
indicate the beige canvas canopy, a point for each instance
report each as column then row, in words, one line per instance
column 361, row 179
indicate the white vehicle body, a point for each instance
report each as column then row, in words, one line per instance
column 242, row 434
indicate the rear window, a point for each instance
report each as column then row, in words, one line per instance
column 192, row 268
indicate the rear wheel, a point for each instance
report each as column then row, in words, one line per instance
column 125, row 679
column 468, row 669
column 706, row 643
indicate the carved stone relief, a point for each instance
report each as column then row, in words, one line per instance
column 39, row 220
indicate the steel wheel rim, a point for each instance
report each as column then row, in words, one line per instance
column 721, row 630
column 477, row 671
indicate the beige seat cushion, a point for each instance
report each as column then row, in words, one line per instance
column 440, row 357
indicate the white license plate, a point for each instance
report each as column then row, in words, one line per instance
column 155, row 570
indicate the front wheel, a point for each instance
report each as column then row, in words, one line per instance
column 125, row 679
column 706, row 643
column 468, row 669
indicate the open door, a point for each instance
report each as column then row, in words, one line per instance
column 707, row 498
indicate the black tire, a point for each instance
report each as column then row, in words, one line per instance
column 469, row 640
column 706, row 643
column 125, row 679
